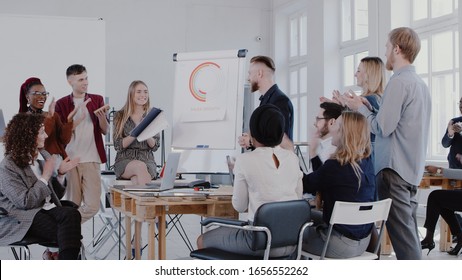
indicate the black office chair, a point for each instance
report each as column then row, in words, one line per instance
column 23, row 245
column 276, row 224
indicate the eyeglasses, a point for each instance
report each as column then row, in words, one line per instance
column 37, row 93
column 318, row 119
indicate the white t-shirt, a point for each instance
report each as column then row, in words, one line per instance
column 325, row 149
column 257, row 179
column 82, row 143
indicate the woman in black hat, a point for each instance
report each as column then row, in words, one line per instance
column 267, row 174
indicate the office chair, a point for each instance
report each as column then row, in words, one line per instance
column 357, row 213
column 276, row 224
column 23, row 245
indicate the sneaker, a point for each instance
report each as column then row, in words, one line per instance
column 55, row 255
column 50, row 256
column 47, row 255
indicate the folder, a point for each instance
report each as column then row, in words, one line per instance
column 154, row 122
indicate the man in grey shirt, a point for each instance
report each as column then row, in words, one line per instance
column 401, row 128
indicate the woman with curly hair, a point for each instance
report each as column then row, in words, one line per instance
column 347, row 176
column 32, row 99
column 24, row 189
column 134, row 160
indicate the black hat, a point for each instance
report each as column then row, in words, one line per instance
column 267, row 125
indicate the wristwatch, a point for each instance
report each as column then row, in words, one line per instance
column 438, row 171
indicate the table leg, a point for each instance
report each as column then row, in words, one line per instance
column 128, row 234
column 151, row 240
column 445, row 236
column 445, row 232
column 386, row 247
column 162, row 237
column 137, row 240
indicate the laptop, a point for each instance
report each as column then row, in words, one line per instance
column 167, row 182
column 454, row 174
column 2, row 124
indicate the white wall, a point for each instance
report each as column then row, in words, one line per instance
column 142, row 35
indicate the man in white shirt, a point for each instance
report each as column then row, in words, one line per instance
column 86, row 143
column 321, row 143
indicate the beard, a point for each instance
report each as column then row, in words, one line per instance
column 323, row 131
column 254, row 87
column 390, row 62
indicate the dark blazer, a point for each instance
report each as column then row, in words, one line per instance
column 22, row 195
column 276, row 97
column 338, row 182
column 455, row 145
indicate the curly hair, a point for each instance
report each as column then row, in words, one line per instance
column 20, row 138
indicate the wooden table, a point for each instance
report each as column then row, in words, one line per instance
column 143, row 208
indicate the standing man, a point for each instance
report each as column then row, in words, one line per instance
column 401, row 128
column 261, row 79
column 87, row 142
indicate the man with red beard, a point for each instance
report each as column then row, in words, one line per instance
column 401, row 128
column 321, row 146
column 261, row 79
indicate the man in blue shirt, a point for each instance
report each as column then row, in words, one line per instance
column 401, row 128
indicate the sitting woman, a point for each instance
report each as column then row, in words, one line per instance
column 347, row 176
column 444, row 203
column 24, row 190
column 267, row 174
column 134, row 160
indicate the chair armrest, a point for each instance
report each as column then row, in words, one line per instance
column 223, row 221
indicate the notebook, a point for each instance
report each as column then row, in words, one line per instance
column 167, row 182
column 2, row 124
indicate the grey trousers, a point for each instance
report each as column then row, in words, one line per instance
column 402, row 220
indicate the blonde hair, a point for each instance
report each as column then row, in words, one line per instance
column 127, row 110
column 355, row 142
column 375, row 75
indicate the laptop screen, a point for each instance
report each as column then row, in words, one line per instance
column 171, row 167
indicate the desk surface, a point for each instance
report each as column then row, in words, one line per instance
column 142, row 208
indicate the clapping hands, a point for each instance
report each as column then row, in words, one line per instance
column 83, row 113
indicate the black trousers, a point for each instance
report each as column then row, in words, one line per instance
column 444, row 203
column 61, row 225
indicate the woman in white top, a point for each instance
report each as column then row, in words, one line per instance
column 267, row 174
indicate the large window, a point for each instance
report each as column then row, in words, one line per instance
column 438, row 64
column 355, row 24
column 298, row 74
column 355, row 30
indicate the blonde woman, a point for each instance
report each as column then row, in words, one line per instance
column 370, row 76
column 134, row 160
column 347, row 176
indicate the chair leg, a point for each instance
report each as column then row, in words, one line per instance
column 24, row 253
column 16, row 256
